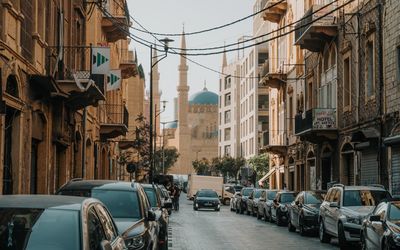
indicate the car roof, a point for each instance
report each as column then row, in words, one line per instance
column 287, row 192
column 362, row 188
column 43, row 201
column 99, row 185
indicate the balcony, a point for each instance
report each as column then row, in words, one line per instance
column 274, row 80
column 317, row 125
column 312, row 33
column 276, row 9
column 128, row 65
column 116, row 25
column 113, row 121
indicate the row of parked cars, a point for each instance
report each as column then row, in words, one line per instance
column 365, row 215
column 87, row 215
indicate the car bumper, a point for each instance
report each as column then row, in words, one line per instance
column 352, row 231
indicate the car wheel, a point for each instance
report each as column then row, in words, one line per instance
column 343, row 244
column 385, row 245
column 323, row 236
column 217, row 209
column 278, row 219
column 290, row 227
column 195, row 208
column 265, row 216
column 236, row 209
column 258, row 215
column 241, row 209
column 303, row 232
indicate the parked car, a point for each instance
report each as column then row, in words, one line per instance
column 279, row 207
column 49, row 222
column 304, row 211
column 265, row 203
column 241, row 203
column 234, row 199
column 228, row 191
column 381, row 229
column 166, row 199
column 129, row 206
column 344, row 209
column 206, row 198
column 154, row 195
column 252, row 202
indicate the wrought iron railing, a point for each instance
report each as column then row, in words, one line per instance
column 113, row 114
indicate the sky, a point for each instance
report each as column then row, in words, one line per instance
column 169, row 16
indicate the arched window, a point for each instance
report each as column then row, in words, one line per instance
column 333, row 56
column 12, row 86
column 326, row 60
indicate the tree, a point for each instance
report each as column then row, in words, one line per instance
column 260, row 165
column 239, row 163
column 170, row 157
column 202, row 167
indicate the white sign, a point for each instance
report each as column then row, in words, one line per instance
column 114, row 79
column 324, row 119
column 100, row 60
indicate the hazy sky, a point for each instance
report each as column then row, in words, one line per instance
column 168, row 16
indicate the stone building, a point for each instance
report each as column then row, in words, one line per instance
column 58, row 118
column 391, row 63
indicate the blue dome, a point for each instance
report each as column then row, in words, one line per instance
column 204, row 97
column 171, row 125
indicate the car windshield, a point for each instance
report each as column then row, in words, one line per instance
column 207, row 193
column 271, row 195
column 394, row 212
column 238, row 188
column 122, row 204
column 247, row 191
column 287, row 197
column 38, row 229
column 314, row 198
column 364, row 197
column 152, row 196
column 257, row 194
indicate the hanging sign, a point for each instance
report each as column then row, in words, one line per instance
column 100, row 60
column 114, row 79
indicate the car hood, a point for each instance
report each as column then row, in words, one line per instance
column 312, row 207
column 206, row 199
column 358, row 210
column 394, row 226
column 129, row 227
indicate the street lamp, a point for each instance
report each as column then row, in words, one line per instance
column 162, row 145
column 165, row 41
column 158, row 112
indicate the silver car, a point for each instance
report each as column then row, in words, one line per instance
column 344, row 209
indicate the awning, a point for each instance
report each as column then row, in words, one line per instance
column 270, row 172
column 365, row 134
column 44, row 87
column 393, row 140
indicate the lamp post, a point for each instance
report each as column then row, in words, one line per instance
column 165, row 41
column 162, row 145
column 158, row 112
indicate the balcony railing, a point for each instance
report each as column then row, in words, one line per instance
column 116, row 23
column 275, row 11
column 316, row 28
column 113, row 120
column 318, row 119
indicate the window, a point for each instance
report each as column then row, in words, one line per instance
column 227, row 116
column 27, row 30
column 227, row 150
column 370, row 81
column 310, row 95
column 227, row 99
column 227, row 82
column 398, row 62
column 346, row 82
column 227, row 134
column 95, row 230
column 106, row 220
column 291, row 114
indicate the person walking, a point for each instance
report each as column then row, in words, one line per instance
column 176, row 194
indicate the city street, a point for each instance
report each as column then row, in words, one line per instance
column 207, row 229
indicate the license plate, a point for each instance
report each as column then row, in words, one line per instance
column 208, row 204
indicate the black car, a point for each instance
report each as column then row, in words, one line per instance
column 381, row 229
column 154, row 195
column 49, row 222
column 304, row 211
column 206, row 198
column 279, row 208
column 129, row 206
column 241, row 203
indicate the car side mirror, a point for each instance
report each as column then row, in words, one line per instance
column 240, row 195
column 334, row 204
column 262, row 199
column 375, row 218
column 250, row 197
column 297, row 203
column 275, row 201
column 105, row 245
column 151, row 215
column 166, row 198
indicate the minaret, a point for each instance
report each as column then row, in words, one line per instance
column 184, row 164
column 156, row 93
column 224, row 61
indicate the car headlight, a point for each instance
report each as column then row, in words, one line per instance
column 135, row 242
column 196, row 204
column 354, row 220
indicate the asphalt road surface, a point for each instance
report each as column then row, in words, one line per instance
column 210, row 230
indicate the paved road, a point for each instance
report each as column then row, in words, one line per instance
column 210, row 230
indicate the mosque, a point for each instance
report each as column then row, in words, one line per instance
column 195, row 134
